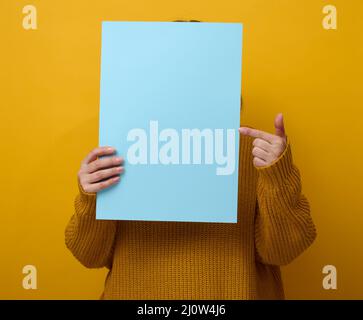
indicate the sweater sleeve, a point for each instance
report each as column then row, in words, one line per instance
column 283, row 225
column 90, row 240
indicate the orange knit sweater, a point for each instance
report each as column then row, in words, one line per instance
column 186, row 260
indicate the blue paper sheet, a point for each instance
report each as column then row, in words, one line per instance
column 170, row 105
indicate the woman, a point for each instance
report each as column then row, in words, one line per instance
column 186, row 260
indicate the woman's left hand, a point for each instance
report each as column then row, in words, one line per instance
column 267, row 147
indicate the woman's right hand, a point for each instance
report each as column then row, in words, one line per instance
column 97, row 173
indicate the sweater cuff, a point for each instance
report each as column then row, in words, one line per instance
column 86, row 203
column 278, row 171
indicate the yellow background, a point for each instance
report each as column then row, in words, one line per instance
column 49, row 121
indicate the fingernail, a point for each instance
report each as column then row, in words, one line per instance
column 110, row 149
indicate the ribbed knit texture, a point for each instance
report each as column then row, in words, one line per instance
column 185, row 260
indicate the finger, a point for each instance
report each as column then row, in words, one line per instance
column 279, row 126
column 263, row 144
column 103, row 174
column 260, row 153
column 95, row 187
column 104, row 163
column 96, row 152
column 257, row 134
column 259, row 162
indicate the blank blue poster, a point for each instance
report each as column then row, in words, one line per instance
column 170, row 105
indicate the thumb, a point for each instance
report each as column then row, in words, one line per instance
column 279, row 126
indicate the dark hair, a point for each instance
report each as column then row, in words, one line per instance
column 187, row 21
